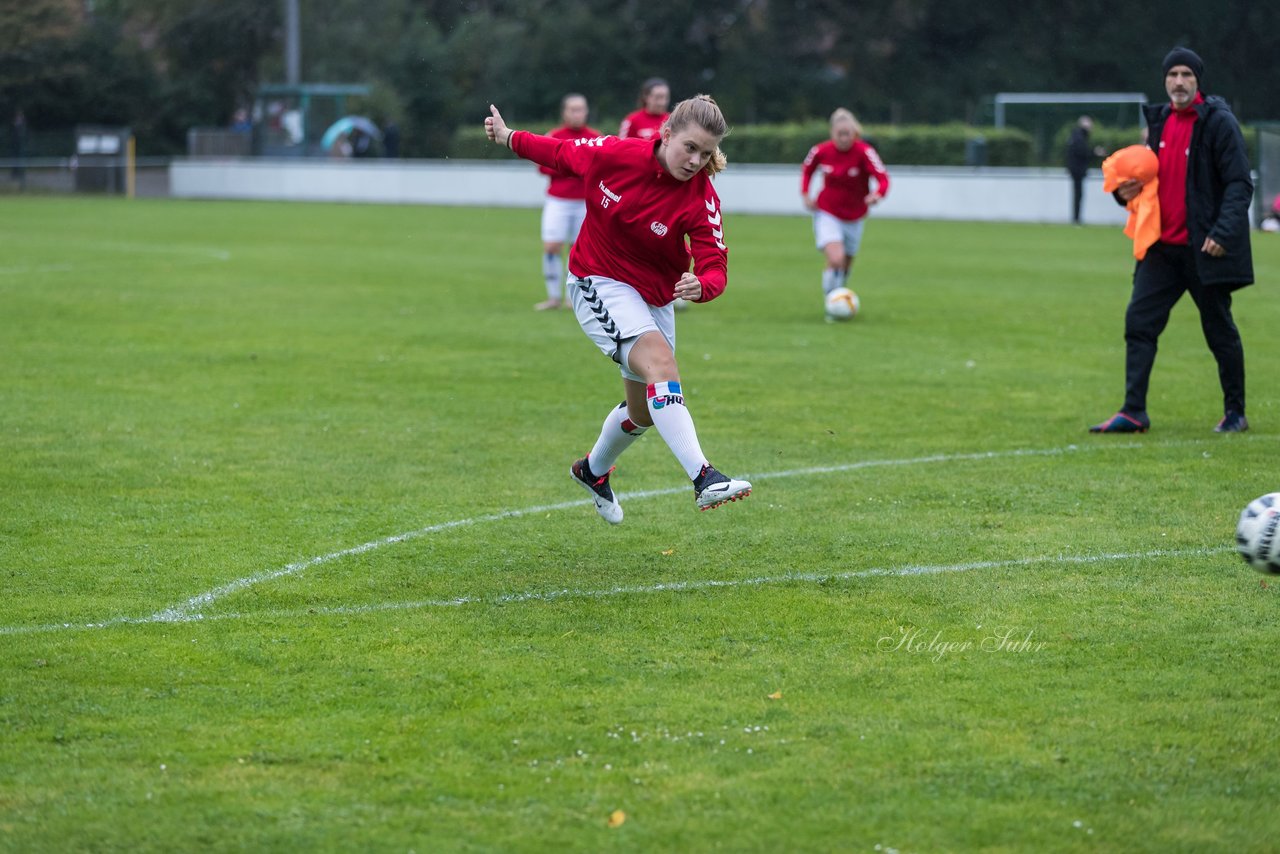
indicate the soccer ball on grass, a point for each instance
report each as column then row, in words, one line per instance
column 1258, row 534
column 842, row 304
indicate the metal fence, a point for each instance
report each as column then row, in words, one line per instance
column 56, row 175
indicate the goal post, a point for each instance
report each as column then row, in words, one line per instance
column 1044, row 115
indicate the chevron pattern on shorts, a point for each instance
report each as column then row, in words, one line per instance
column 601, row 314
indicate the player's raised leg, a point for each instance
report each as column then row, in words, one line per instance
column 651, row 358
column 592, row 471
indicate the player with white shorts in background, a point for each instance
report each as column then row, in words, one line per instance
column 847, row 163
column 630, row 262
column 565, row 205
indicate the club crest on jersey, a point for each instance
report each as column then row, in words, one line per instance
column 658, row 228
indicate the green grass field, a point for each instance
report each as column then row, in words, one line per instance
column 292, row 561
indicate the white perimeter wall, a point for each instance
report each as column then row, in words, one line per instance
column 917, row 192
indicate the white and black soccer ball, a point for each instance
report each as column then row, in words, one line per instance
column 1258, row 534
column 842, row 304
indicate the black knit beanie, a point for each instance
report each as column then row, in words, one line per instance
column 1186, row 56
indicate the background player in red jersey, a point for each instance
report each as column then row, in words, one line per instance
column 565, row 206
column 646, row 122
column 848, row 163
column 630, row 261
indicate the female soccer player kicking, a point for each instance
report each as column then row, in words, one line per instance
column 629, row 263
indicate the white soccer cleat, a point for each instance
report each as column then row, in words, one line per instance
column 711, row 488
column 606, row 503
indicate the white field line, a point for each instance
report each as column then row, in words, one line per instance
column 706, row 584
column 190, row 609
column 195, row 603
column 627, row 590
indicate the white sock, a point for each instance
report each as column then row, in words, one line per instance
column 842, row 278
column 829, row 280
column 675, row 425
column 553, row 273
column 617, row 434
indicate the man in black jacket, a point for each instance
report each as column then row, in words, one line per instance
column 1079, row 155
column 1204, row 193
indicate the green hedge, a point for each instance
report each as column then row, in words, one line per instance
column 915, row 145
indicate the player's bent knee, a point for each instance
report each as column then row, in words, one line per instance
column 651, row 359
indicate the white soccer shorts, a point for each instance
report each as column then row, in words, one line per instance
column 562, row 219
column 831, row 229
column 614, row 315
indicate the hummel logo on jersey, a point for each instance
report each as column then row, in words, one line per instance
column 658, row 228
column 713, row 217
column 609, row 195
column 597, row 141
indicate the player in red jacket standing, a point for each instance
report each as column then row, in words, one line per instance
column 848, row 163
column 565, row 206
column 646, row 122
column 630, row 261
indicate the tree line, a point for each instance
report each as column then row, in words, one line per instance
column 163, row 66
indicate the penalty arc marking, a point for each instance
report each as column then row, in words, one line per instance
column 191, row 610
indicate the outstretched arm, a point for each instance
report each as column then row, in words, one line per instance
column 563, row 156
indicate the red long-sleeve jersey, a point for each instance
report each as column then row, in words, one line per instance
column 638, row 215
column 641, row 125
column 564, row 185
column 846, row 177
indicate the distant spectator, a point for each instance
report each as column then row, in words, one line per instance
column 391, row 140
column 1079, row 158
column 361, row 143
column 240, row 122
column 291, row 123
column 646, row 122
column 18, row 144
